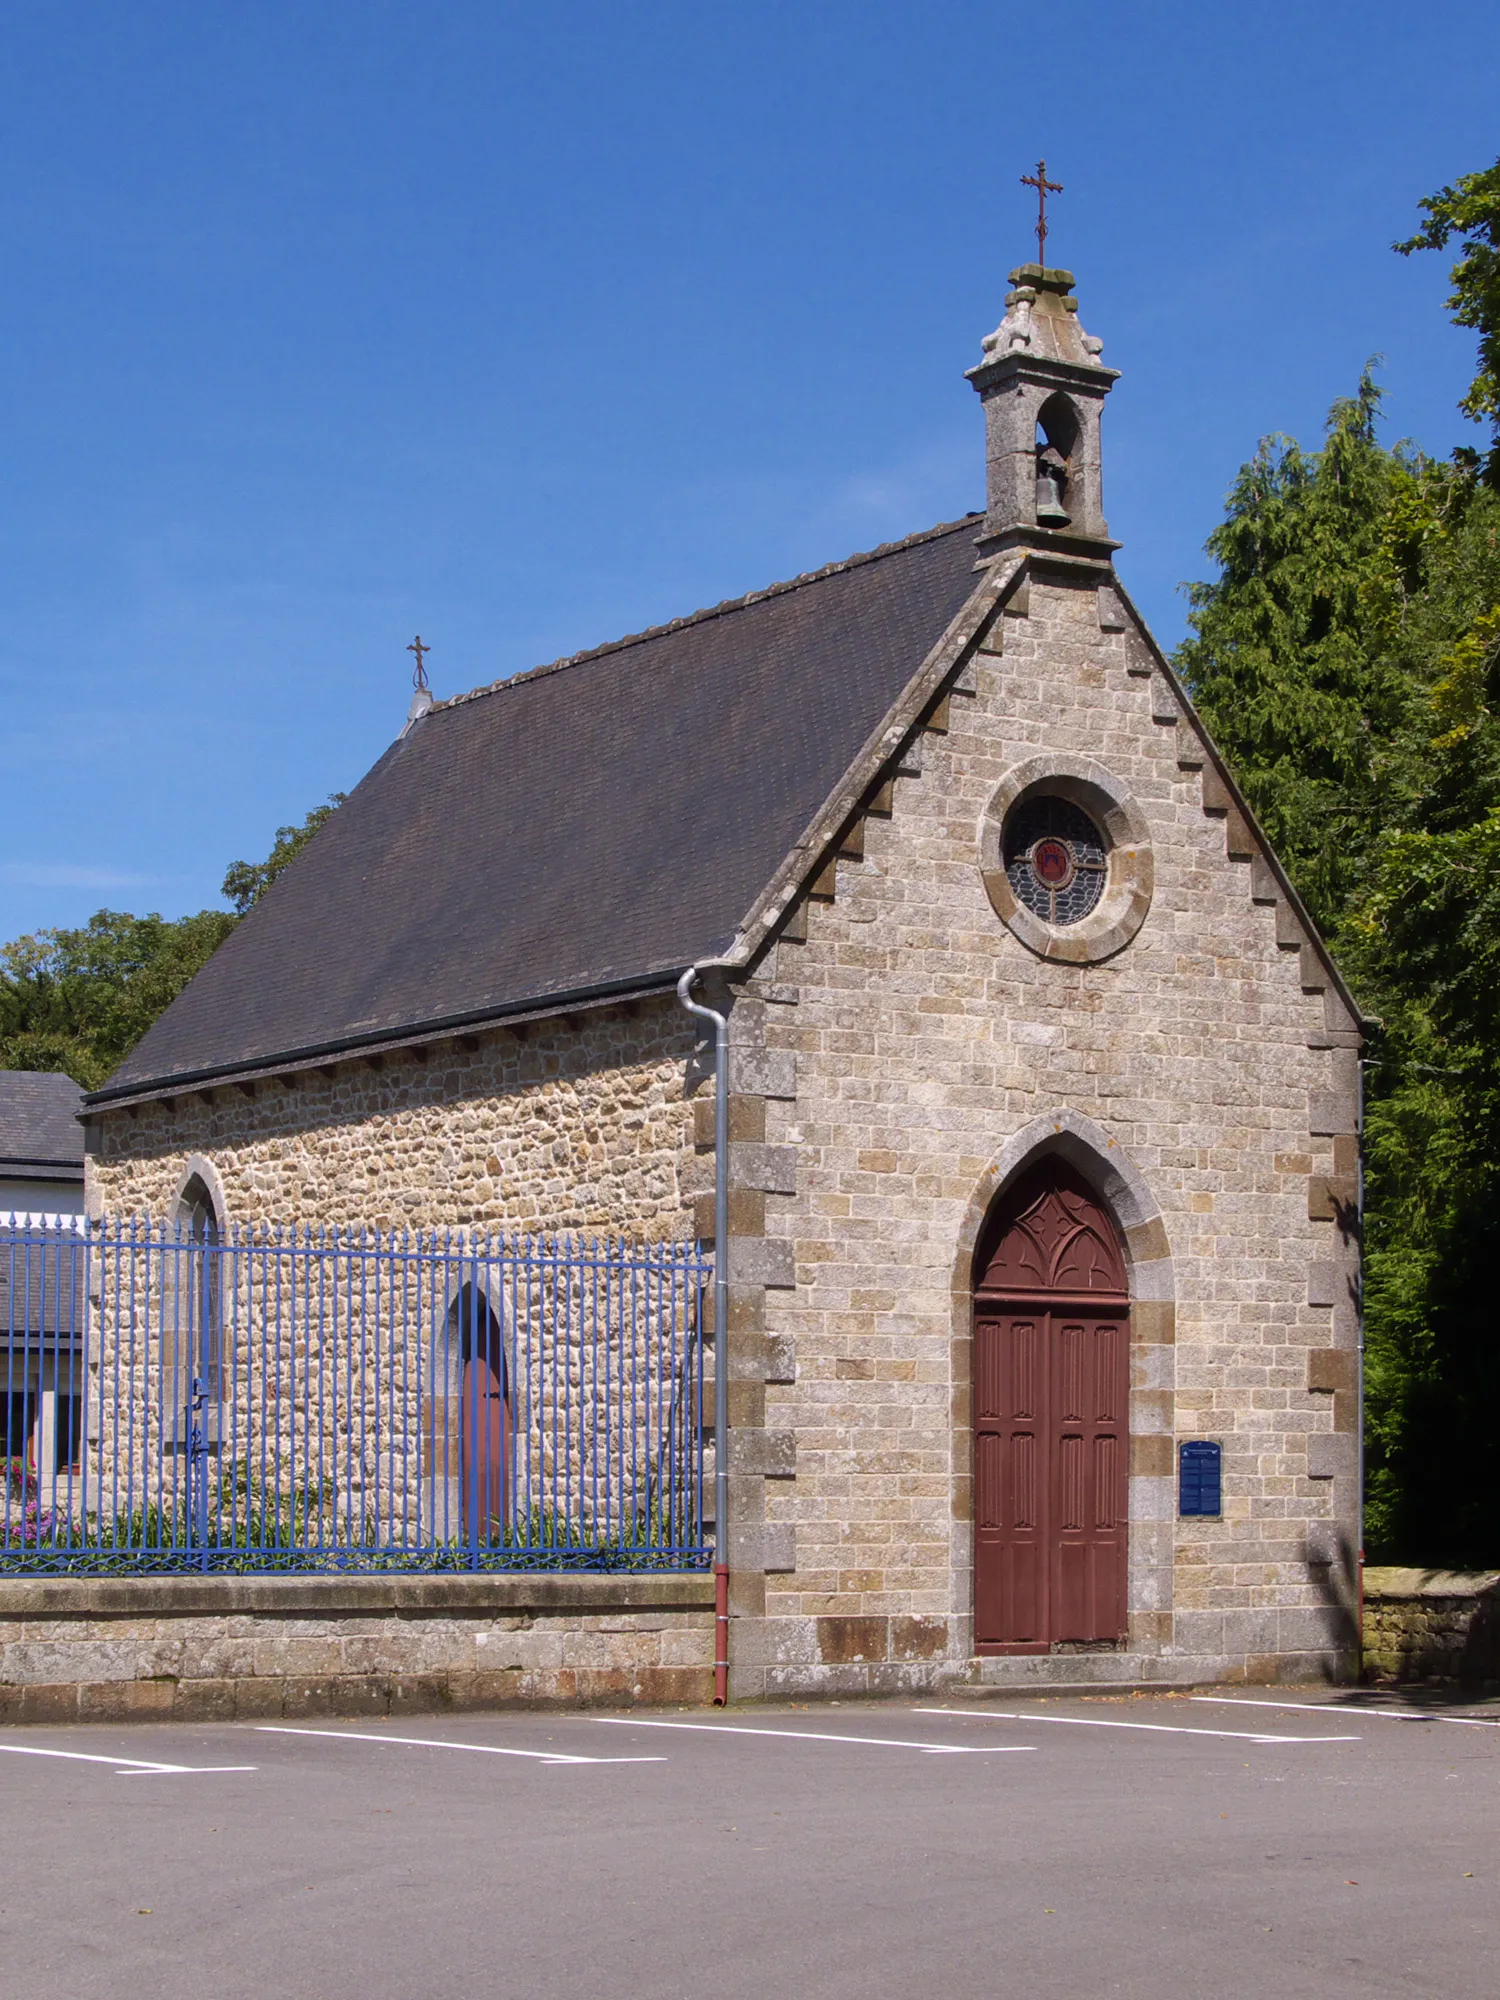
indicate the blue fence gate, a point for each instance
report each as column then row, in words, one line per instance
column 290, row 1399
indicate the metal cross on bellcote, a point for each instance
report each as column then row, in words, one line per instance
column 1043, row 187
column 419, row 672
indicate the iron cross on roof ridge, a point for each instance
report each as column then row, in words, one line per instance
column 419, row 672
column 1043, row 187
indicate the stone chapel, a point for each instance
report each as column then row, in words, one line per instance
column 1042, row 1155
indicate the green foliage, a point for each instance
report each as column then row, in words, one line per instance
column 1470, row 210
column 79, row 1000
column 248, row 1526
column 1347, row 659
column 1299, row 703
column 245, row 882
column 1424, row 937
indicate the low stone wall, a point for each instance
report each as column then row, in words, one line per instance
column 1432, row 1625
column 223, row 1648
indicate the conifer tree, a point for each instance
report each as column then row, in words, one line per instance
column 1470, row 210
column 1347, row 658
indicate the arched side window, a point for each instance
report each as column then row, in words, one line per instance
column 197, row 1213
column 197, row 1308
column 486, row 1416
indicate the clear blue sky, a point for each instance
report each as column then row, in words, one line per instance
column 526, row 326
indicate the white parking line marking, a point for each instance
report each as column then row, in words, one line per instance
column 437, row 1743
column 1323, row 1708
column 824, row 1736
column 1101, row 1722
column 184, row 1770
column 125, row 1767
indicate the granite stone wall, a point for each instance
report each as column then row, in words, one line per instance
column 574, row 1124
column 1432, row 1625
column 919, row 1054
column 205, row 1649
column 582, row 1124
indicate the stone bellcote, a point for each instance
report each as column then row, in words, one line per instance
column 1043, row 387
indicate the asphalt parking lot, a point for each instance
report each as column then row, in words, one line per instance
column 1227, row 1846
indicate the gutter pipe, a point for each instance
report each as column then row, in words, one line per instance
column 721, row 1328
column 1359, row 1412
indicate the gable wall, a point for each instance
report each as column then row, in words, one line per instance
column 925, row 1037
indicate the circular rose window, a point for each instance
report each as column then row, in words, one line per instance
column 1066, row 858
column 1056, row 860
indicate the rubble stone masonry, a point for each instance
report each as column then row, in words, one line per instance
column 572, row 1124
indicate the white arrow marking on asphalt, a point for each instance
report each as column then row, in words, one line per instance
column 436, row 1743
column 1324, row 1707
column 1101, row 1722
column 125, row 1767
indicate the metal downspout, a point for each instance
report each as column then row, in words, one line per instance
column 1359, row 1404
column 721, row 1329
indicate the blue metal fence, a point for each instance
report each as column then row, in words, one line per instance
column 290, row 1399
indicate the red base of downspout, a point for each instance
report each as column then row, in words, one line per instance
column 721, row 1635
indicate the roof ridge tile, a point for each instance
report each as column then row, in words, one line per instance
column 719, row 610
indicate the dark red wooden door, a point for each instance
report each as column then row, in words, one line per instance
column 1010, row 1455
column 1051, row 1421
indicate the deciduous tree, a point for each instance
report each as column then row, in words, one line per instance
column 79, row 1000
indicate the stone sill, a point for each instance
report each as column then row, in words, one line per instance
column 566, row 1595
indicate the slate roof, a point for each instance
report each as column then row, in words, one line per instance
column 590, row 826
column 43, row 1293
column 40, row 1137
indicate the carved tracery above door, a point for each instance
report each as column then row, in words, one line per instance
column 1051, row 1235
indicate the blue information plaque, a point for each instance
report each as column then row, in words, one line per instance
column 1198, row 1481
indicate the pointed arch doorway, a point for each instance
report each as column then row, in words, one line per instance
column 1051, row 1423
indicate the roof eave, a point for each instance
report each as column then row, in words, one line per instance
column 389, row 1041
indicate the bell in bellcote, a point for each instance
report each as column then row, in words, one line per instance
column 1051, row 488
